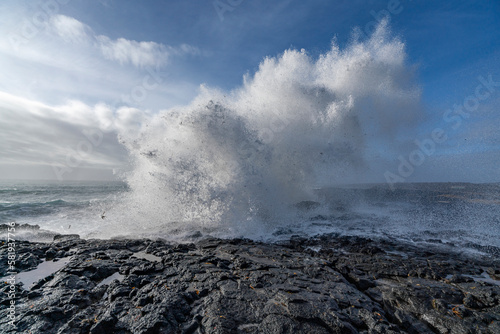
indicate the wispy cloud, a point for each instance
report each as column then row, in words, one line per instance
column 68, row 60
column 60, row 31
column 122, row 50
column 140, row 54
column 53, row 135
column 70, row 29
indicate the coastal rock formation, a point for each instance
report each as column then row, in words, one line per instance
column 328, row 284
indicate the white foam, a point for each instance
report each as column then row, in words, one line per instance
column 234, row 163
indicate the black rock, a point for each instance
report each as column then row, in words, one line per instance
column 66, row 237
column 351, row 285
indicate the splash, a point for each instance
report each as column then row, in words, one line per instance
column 236, row 163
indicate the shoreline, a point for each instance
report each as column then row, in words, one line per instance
column 327, row 284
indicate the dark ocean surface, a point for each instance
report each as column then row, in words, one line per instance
column 464, row 214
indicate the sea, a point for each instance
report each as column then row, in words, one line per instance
column 458, row 214
column 281, row 155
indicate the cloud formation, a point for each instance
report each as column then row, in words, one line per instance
column 65, row 59
column 64, row 81
column 60, row 31
column 74, row 135
column 70, row 29
column 122, row 50
column 139, row 54
column 71, row 75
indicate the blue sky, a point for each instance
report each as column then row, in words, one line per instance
column 69, row 64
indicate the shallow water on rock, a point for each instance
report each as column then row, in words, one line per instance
column 146, row 256
column 44, row 269
column 485, row 277
column 111, row 278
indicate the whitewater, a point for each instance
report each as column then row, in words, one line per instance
column 286, row 153
column 239, row 161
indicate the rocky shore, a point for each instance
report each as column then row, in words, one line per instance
column 328, row 284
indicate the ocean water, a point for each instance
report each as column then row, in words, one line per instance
column 62, row 207
column 467, row 215
column 270, row 159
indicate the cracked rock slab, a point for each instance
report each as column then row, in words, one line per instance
column 328, row 284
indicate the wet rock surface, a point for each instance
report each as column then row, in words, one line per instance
column 328, row 284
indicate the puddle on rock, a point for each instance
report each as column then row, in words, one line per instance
column 146, row 256
column 485, row 277
column 111, row 278
column 44, row 269
column 314, row 248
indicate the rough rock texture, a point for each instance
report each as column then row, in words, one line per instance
column 329, row 284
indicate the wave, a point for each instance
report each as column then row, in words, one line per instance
column 237, row 162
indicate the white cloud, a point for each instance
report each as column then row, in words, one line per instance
column 66, row 60
column 70, row 135
column 139, row 54
column 188, row 49
column 124, row 51
column 70, row 29
column 61, row 30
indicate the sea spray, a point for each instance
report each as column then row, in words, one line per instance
column 236, row 163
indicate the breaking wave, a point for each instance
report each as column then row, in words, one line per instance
column 237, row 163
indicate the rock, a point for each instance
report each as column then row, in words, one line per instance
column 27, row 261
column 34, row 294
column 53, row 313
column 66, row 237
column 457, row 278
column 494, row 273
column 119, row 291
column 307, row 205
column 19, row 227
column 104, row 325
column 471, row 302
column 349, row 285
column 50, row 254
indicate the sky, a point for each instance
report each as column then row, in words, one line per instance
column 76, row 73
